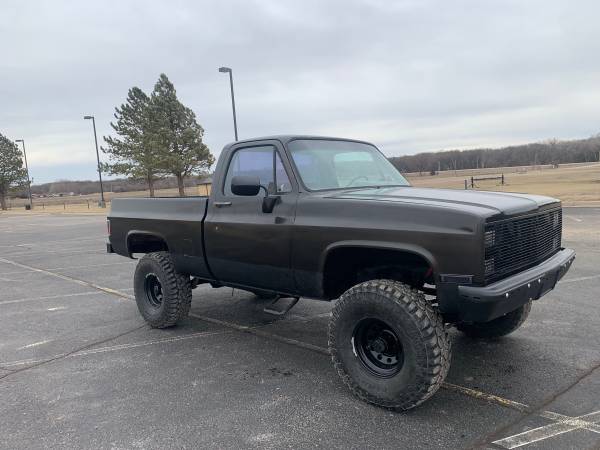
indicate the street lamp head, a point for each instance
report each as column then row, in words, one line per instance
column 19, row 140
column 88, row 117
column 224, row 69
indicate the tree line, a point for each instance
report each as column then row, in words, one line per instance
column 156, row 137
column 548, row 152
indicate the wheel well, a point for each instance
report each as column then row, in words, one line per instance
column 348, row 266
column 145, row 243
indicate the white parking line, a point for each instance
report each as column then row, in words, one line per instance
column 35, row 344
column 47, row 225
column 562, row 425
column 254, row 329
column 87, row 266
column 37, row 244
column 8, row 280
column 574, row 218
column 66, row 278
column 49, row 297
column 521, row 407
column 55, row 252
column 111, row 348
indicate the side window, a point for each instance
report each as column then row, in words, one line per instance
column 263, row 162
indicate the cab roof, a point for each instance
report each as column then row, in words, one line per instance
column 285, row 138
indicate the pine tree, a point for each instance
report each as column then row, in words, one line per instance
column 12, row 172
column 178, row 134
column 134, row 153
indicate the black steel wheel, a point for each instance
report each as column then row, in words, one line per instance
column 153, row 290
column 163, row 296
column 378, row 347
column 388, row 344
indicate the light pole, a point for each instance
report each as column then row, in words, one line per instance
column 230, row 72
column 102, row 203
column 27, row 169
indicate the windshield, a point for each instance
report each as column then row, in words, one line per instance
column 328, row 164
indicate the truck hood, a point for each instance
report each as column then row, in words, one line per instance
column 489, row 203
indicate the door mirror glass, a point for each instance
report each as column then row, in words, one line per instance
column 245, row 185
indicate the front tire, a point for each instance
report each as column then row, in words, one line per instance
column 163, row 296
column 388, row 344
column 499, row 327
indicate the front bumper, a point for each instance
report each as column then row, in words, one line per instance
column 482, row 304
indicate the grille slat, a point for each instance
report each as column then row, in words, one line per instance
column 521, row 242
column 526, row 248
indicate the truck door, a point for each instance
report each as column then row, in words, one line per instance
column 244, row 245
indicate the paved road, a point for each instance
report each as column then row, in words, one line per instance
column 80, row 369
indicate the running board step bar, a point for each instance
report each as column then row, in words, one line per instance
column 270, row 308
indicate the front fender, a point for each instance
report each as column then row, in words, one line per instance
column 381, row 245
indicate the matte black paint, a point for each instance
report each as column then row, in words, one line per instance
column 229, row 240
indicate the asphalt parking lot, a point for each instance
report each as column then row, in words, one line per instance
column 80, row 369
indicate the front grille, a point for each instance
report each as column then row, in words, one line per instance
column 512, row 245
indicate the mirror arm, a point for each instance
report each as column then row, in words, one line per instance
column 269, row 202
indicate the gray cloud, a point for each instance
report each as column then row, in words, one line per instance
column 408, row 75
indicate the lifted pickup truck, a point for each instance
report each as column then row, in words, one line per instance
column 325, row 218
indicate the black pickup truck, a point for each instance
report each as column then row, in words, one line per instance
column 325, row 218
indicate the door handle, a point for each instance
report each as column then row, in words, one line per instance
column 220, row 204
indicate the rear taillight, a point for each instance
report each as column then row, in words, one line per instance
column 108, row 226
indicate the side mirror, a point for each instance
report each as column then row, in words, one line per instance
column 245, row 185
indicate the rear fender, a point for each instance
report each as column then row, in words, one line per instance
column 142, row 233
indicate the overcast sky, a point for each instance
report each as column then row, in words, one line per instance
column 409, row 76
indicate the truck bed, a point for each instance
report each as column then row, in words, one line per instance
column 174, row 224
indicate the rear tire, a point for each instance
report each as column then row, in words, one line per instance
column 388, row 344
column 499, row 327
column 163, row 296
